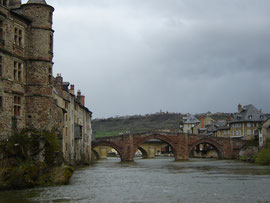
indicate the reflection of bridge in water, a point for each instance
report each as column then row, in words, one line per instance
column 180, row 144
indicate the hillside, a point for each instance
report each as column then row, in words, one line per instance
column 139, row 123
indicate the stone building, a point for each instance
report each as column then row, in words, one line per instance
column 264, row 134
column 246, row 122
column 189, row 123
column 30, row 97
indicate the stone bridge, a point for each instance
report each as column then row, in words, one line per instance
column 181, row 144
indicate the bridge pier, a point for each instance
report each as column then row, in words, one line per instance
column 181, row 151
column 128, row 149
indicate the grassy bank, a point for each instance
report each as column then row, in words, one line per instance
column 31, row 158
column 262, row 157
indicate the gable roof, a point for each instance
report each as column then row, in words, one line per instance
column 190, row 119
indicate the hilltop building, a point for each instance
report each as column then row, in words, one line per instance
column 30, row 97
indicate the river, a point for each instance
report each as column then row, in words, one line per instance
column 156, row 180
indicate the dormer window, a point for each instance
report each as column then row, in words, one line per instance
column 250, row 117
column 262, row 117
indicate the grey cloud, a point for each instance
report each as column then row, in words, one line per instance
column 140, row 56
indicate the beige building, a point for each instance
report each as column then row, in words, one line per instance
column 189, row 123
column 264, row 134
column 246, row 122
column 224, row 131
column 30, row 97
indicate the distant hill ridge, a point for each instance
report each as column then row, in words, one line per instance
column 143, row 123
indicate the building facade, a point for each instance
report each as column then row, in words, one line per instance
column 264, row 134
column 30, row 97
column 246, row 122
column 189, row 123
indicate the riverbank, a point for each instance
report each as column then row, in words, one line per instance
column 255, row 155
column 30, row 159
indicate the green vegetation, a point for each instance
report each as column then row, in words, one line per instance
column 32, row 158
column 249, row 158
column 263, row 156
column 136, row 124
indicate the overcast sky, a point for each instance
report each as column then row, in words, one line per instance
column 142, row 56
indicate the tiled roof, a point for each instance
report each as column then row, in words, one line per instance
column 249, row 113
column 191, row 120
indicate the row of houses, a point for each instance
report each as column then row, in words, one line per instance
column 30, row 96
column 248, row 123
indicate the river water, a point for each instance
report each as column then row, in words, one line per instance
column 156, row 180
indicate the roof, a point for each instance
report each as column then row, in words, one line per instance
column 36, row 2
column 191, row 120
column 249, row 113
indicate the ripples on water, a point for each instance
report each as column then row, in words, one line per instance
column 157, row 180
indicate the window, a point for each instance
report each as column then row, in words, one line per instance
column 249, row 125
column 229, row 132
column 17, row 106
column 249, row 132
column 1, row 66
column 50, row 76
column 17, row 71
column 18, row 36
column 225, row 132
column 1, row 30
column 51, row 43
column 66, row 105
column 50, row 17
column 1, row 103
column 4, row 3
column 250, row 117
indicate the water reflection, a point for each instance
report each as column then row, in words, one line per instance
column 157, row 180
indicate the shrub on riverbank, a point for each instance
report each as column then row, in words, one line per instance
column 30, row 159
column 263, row 157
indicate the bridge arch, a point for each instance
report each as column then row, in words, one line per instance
column 109, row 144
column 216, row 145
column 95, row 154
column 164, row 138
column 144, row 152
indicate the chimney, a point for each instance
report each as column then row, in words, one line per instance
column 72, row 89
column 78, row 93
column 239, row 108
column 83, row 100
column 202, row 122
column 59, row 82
column 80, row 97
